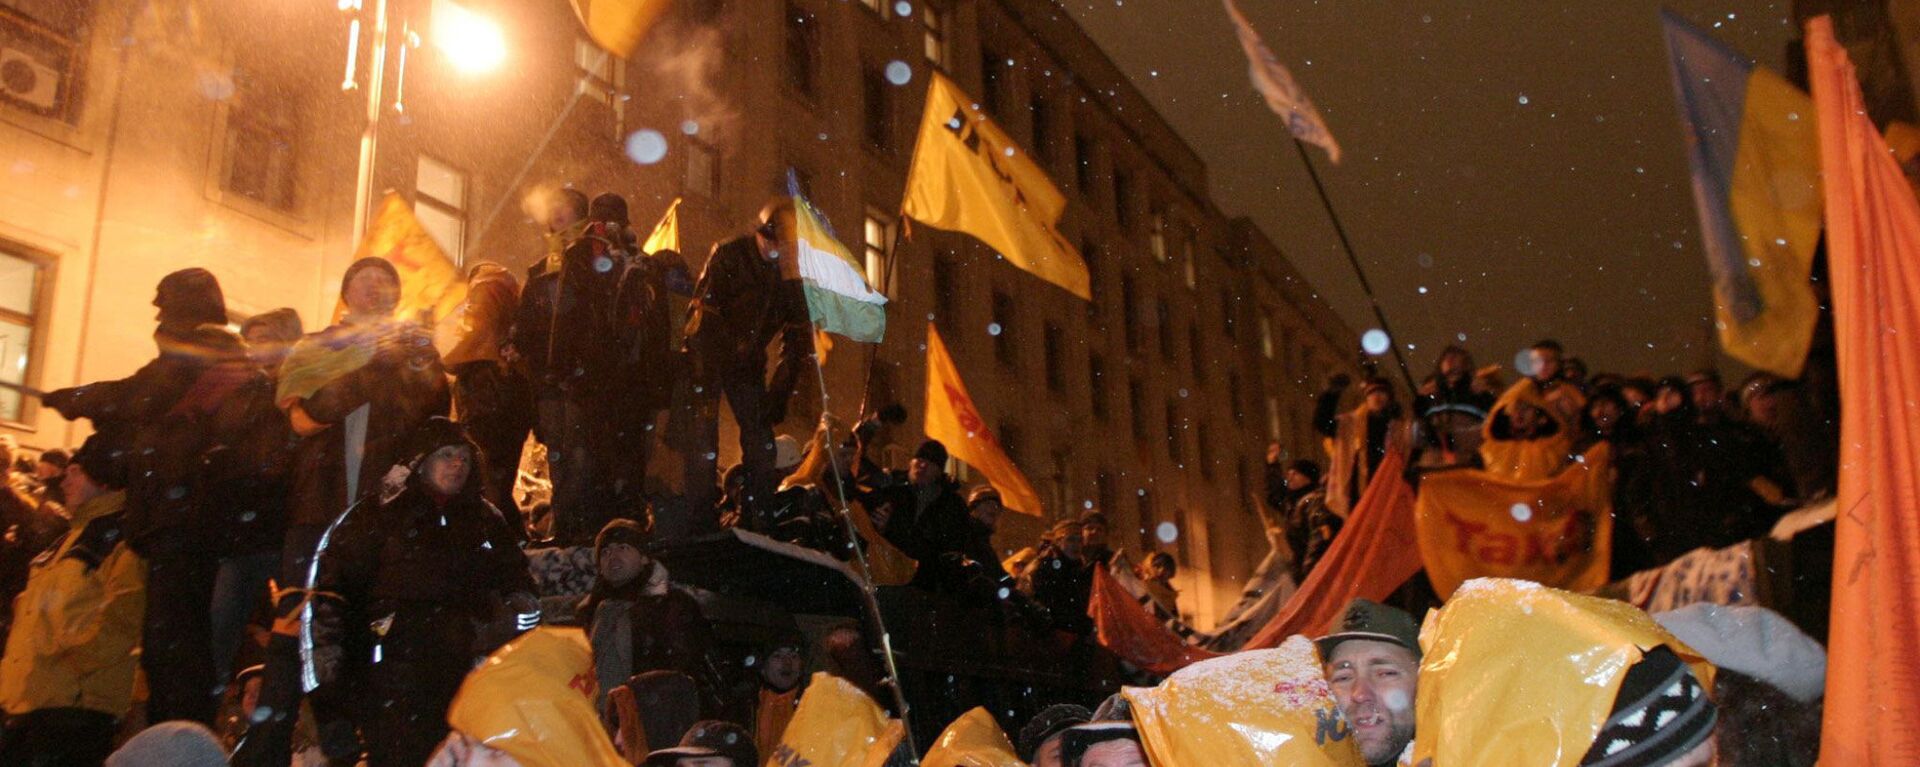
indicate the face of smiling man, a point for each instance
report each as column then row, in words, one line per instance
column 1374, row 683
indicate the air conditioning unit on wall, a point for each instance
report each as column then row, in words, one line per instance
column 36, row 67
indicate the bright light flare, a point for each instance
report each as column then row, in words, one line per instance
column 472, row 42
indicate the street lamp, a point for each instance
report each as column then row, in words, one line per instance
column 471, row 42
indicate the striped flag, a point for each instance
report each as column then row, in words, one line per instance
column 838, row 297
column 1277, row 86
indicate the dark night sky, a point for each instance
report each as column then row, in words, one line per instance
column 1521, row 161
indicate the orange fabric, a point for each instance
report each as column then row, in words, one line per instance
column 1557, row 531
column 771, row 717
column 1125, row 627
column 1873, row 251
column 1375, row 552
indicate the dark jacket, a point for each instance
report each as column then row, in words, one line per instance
column 741, row 304
column 643, row 327
column 564, row 329
column 1064, row 585
column 205, row 442
column 401, row 390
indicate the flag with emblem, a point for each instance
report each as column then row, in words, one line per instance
column 666, row 234
column 968, row 176
column 955, row 422
column 431, row 286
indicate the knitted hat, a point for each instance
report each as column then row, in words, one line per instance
column 438, row 432
column 932, row 452
column 1661, row 713
column 176, row 744
column 1094, row 517
column 281, row 324
column 1306, row 467
column 104, row 463
column 624, row 531
column 370, row 262
column 608, row 207
column 1051, row 721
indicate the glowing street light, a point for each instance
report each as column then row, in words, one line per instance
column 473, row 43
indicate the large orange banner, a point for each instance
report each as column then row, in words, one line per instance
column 1555, row 531
column 1873, row 251
column 952, row 419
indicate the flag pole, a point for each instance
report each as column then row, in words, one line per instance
column 1346, row 246
column 867, row 589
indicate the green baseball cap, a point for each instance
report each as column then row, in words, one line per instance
column 1367, row 619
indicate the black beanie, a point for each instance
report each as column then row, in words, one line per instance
column 608, row 207
column 1306, row 467
column 1661, row 713
column 189, row 298
column 437, row 432
column 932, row 452
column 370, row 262
column 104, row 463
column 624, row 531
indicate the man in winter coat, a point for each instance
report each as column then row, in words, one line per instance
column 638, row 622
column 201, row 433
column 490, row 396
column 742, row 303
column 1359, row 439
column 927, row 519
column 67, row 677
column 402, row 581
column 355, row 392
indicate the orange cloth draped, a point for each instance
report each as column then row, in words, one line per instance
column 1375, row 552
column 1873, row 251
column 1125, row 627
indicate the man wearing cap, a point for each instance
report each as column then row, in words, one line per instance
column 1372, row 657
column 711, row 743
column 743, row 302
column 927, row 520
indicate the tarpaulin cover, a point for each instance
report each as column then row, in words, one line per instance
column 1258, row 707
column 1515, row 673
column 836, row 725
column 973, row 740
column 533, row 699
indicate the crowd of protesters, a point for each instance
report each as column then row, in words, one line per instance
column 369, row 481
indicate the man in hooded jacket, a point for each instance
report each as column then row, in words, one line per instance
column 402, row 581
column 200, row 430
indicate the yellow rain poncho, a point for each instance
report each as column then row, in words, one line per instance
column 1252, row 708
column 533, row 699
column 973, row 740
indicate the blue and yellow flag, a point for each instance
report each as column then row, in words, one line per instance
column 1756, row 180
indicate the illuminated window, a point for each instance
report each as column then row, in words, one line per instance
column 440, row 203
column 261, row 150
column 602, row 78
column 878, row 235
column 22, row 286
column 878, row 7
column 1157, row 235
column 934, row 24
column 1266, row 337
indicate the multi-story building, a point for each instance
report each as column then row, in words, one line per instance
column 144, row 136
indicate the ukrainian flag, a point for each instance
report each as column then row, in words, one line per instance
column 1756, row 181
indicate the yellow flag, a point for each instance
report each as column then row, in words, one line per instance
column 836, row 725
column 973, row 740
column 431, row 287
column 969, row 176
column 666, row 234
column 952, row 419
column 1557, row 531
column 1519, row 674
column 619, row 25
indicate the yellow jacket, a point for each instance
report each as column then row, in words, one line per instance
column 77, row 623
column 1540, row 457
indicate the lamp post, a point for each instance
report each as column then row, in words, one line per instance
column 470, row 41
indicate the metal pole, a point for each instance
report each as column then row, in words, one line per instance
column 1346, row 245
column 867, row 590
column 370, row 136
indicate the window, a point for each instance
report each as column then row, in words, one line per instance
column 1137, row 407
column 877, row 98
column 1083, row 149
column 1122, row 198
column 1266, row 337
column 43, row 54
column 878, row 235
column 1289, row 360
column 1234, row 396
column 878, row 7
column 934, row 28
column 1062, row 482
column 1055, row 349
column 440, row 202
column 603, row 78
column 1009, row 436
column 944, row 287
column 1157, row 235
column 1003, row 322
column 1186, row 259
column 703, row 169
column 1090, row 253
column 21, row 290
column 1130, row 311
column 803, row 51
column 1273, row 418
column 1176, row 433
column 1097, row 386
column 261, row 153
column 993, row 79
column 1228, row 308
column 1149, row 519
column 1104, row 492
column 1163, row 326
column 1205, row 440
column 1040, row 118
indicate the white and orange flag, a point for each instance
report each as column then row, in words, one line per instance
column 1873, row 251
column 955, row 422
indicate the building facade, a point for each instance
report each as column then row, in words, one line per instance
column 144, row 136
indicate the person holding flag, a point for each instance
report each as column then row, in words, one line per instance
column 745, row 299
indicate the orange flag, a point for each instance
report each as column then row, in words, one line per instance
column 1873, row 251
column 431, row 287
column 1125, row 628
column 952, row 419
column 1375, row 552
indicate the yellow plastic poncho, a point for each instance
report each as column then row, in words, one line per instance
column 1251, row 708
column 973, row 740
column 533, row 699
